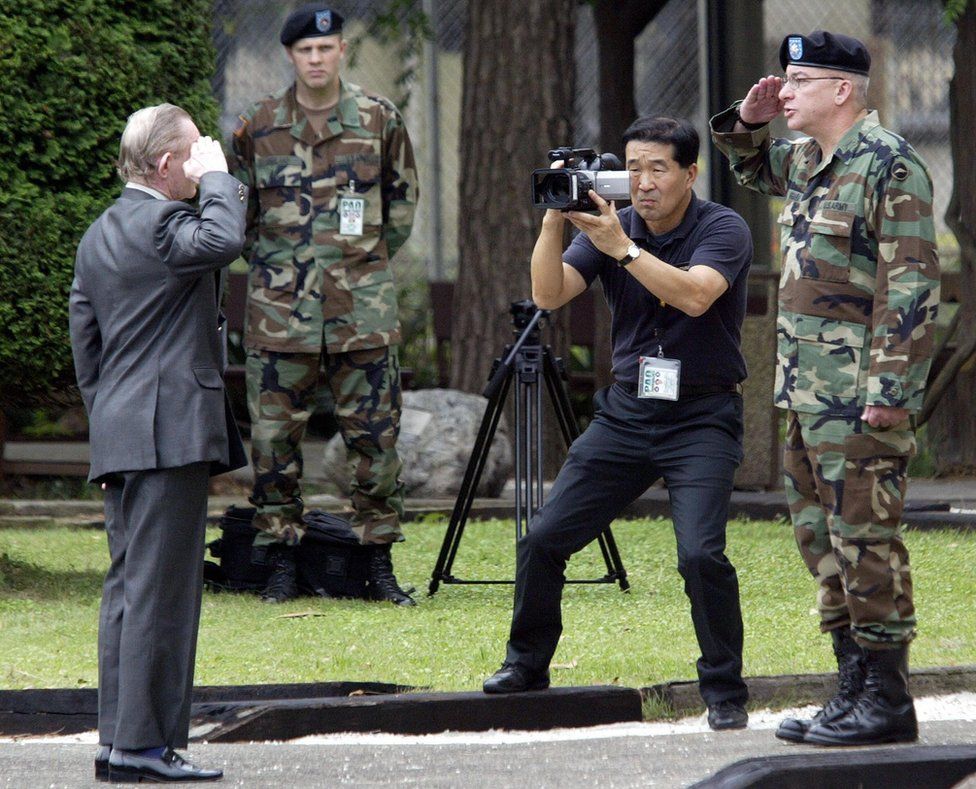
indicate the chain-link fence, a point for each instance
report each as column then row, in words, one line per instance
column 910, row 44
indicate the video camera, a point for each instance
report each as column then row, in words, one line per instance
column 566, row 188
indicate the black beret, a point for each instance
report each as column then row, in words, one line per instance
column 309, row 21
column 825, row 50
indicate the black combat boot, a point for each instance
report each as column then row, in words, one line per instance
column 850, row 683
column 283, row 581
column 382, row 582
column 884, row 711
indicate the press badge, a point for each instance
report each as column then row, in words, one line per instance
column 351, row 210
column 659, row 378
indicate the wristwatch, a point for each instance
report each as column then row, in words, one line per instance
column 633, row 252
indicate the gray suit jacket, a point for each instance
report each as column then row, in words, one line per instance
column 144, row 329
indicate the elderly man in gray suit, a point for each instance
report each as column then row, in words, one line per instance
column 149, row 357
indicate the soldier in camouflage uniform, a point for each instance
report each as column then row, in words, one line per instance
column 333, row 188
column 857, row 301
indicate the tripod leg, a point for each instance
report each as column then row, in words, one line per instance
column 560, row 398
column 570, row 430
column 466, row 493
column 521, row 454
column 528, row 421
column 611, row 557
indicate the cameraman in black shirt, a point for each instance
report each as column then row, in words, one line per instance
column 674, row 270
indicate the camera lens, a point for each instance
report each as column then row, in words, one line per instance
column 555, row 188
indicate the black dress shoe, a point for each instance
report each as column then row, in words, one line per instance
column 101, row 762
column 513, row 678
column 130, row 768
column 727, row 715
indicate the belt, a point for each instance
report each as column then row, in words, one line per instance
column 686, row 391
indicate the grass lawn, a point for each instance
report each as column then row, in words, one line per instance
column 50, row 579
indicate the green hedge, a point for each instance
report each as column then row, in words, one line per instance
column 72, row 73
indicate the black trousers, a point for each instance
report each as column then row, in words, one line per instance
column 695, row 445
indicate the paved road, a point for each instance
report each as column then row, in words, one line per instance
column 622, row 755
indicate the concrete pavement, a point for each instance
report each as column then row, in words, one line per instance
column 622, row 755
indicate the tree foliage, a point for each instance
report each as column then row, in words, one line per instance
column 73, row 72
column 954, row 9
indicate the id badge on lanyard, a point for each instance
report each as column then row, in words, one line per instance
column 659, row 378
column 351, row 211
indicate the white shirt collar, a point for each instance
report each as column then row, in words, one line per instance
column 147, row 189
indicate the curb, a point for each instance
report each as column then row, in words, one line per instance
column 796, row 690
column 283, row 712
column 907, row 767
column 426, row 713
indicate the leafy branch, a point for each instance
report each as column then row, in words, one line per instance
column 954, row 9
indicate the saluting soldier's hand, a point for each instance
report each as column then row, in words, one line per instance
column 604, row 229
column 762, row 102
column 206, row 156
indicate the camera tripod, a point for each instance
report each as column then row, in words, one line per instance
column 527, row 361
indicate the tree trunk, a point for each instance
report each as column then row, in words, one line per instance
column 3, row 440
column 617, row 25
column 517, row 104
column 950, row 398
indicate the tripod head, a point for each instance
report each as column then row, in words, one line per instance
column 525, row 323
column 522, row 313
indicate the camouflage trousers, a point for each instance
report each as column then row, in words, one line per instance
column 365, row 385
column 845, row 483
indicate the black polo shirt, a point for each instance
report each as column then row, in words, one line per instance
column 708, row 346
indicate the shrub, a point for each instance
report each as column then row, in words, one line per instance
column 73, row 72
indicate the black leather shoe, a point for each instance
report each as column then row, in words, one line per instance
column 850, row 683
column 101, row 762
column 129, row 768
column 727, row 715
column 884, row 712
column 513, row 678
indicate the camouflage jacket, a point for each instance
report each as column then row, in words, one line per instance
column 310, row 286
column 859, row 287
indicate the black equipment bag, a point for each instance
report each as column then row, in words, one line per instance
column 242, row 567
column 330, row 560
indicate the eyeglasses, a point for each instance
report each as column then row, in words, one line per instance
column 795, row 83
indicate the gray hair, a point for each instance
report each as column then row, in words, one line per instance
column 859, row 89
column 149, row 133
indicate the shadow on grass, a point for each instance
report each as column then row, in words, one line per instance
column 23, row 579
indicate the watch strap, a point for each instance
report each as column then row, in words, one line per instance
column 633, row 252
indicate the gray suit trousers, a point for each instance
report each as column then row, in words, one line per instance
column 147, row 634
